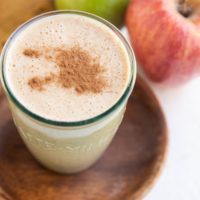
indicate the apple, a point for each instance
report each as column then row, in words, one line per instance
column 112, row 10
column 165, row 35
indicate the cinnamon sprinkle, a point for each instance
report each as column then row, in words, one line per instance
column 39, row 82
column 36, row 83
column 77, row 69
column 31, row 53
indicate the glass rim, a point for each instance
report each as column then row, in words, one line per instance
column 131, row 82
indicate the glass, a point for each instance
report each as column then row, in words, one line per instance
column 68, row 147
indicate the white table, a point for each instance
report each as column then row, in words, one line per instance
column 180, row 178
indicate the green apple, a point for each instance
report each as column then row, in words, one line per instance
column 111, row 10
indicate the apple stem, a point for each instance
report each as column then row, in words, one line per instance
column 184, row 8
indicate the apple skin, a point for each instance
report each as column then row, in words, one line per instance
column 166, row 44
column 111, row 10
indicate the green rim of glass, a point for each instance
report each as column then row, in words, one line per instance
column 73, row 123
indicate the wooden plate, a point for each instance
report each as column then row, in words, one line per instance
column 126, row 171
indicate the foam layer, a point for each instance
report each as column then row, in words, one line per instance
column 58, row 31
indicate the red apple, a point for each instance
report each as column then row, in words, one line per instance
column 165, row 35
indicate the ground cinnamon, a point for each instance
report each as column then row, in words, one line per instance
column 77, row 69
column 31, row 53
column 38, row 82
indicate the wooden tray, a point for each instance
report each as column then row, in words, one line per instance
column 126, row 171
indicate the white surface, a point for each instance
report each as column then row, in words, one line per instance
column 180, row 178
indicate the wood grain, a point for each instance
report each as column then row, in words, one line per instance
column 126, row 171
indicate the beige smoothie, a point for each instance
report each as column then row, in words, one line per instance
column 67, row 72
